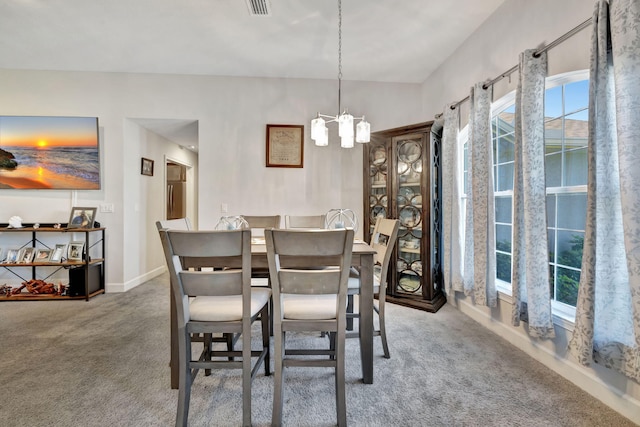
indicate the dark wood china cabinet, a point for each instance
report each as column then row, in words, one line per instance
column 402, row 179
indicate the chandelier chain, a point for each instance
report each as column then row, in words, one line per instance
column 339, row 55
column 340, row 39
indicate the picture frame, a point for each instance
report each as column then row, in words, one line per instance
column 42, row 255
column 82, row 217
column 146, row 167
column 285, row 146
column 26, row 255
column 59, row 252
column 75, row 251
column 12, row 256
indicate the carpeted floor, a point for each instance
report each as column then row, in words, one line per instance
column 105, row 363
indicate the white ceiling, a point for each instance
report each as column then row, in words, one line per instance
column 382, row 40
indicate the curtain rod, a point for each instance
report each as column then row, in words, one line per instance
column 537, row 53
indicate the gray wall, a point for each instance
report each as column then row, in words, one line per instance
column 232, row 114
column 493, row 49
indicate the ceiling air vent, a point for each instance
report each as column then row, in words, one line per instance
column 259, row 7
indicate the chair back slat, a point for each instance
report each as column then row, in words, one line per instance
column 175, row 224
column 304, row 221
column 311, row 282
column 206, row 244
column 264, row 221
column 212, row 283
column 300, row 243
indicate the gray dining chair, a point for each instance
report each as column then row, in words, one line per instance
column 224, row 302
column 309, row 272
column 206, row 339
column 383, row 239
column 304, row 221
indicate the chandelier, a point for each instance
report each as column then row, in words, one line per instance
column 319, row 130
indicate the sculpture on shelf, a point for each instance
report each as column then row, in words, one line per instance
column 15, row 222
column 34, row 287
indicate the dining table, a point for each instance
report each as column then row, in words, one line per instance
column 362, row 259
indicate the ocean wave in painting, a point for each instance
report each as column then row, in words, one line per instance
column 78, row 162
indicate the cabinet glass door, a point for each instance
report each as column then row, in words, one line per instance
column 378, row 171
column 410, row 156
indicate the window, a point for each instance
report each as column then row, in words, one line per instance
column 566, row 131
column 566, row 128
column 503, row 139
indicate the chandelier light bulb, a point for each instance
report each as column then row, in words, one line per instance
column 345, row 125
column 317, row 128
column 346, row 141
column 363, row 131
column 323, row 138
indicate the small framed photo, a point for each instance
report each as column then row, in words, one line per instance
column 59, row 252
column 82, row 218
column 285, row 146
column 42, row 255
column 26, row 255
column 75, row 251
column 146, row 167
column 12, row 256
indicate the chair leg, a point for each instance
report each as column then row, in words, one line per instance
column 278, row 391
column 270, row 314
column 266, row 321
column 332, row 344
column 208, row 345
column 184, row 386
column 383, row 330
column 246, row 375
column 229, row 338
column 349, row 311
column 341, row 402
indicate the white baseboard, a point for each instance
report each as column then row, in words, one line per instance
column 583, row 377
column 127, row 286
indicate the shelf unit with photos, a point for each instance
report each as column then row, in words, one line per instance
column 87, row 273
column 402, row 179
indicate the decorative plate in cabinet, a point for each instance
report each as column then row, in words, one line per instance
column 409, row 216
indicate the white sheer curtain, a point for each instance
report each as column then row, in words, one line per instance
column 479, row 253
column 530, row 276
column 452, row 209
column 607, row 326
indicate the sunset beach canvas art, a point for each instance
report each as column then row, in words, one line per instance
column 59, row 153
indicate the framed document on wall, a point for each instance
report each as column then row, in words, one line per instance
column 285, row 146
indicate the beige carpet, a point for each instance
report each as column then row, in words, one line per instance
column 105, row 363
